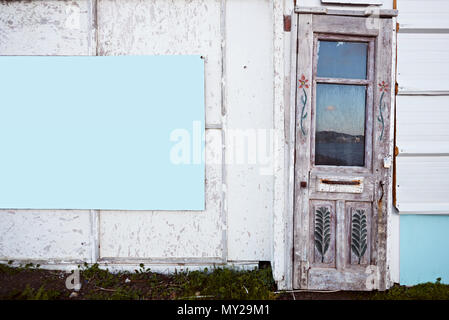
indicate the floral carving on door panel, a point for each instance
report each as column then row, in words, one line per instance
column 359, row 224
column 322, row 230
column 359, row 234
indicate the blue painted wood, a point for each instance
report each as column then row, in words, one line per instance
column 424, row 248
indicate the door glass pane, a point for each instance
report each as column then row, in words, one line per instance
column 338, row 59
column 340, row 125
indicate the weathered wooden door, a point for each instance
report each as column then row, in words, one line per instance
column 343, row 151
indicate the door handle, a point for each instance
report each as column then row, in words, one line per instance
column 303, row 184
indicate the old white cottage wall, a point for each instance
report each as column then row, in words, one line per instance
column 235, row 38
column 247, row 64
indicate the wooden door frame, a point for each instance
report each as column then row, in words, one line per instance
column 292, row 193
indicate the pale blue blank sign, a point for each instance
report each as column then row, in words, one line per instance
column 94, row 132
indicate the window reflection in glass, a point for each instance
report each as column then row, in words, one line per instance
column 340, row 125
column 338, row 59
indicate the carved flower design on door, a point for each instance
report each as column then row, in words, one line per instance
column 322, row 230
column 359, row 234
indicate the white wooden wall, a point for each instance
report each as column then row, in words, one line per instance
column 249, row 105
column 236, row 39
column 422, row 107
column 43, row 28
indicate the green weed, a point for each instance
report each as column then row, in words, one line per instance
column 424, row 291
column 32, row 294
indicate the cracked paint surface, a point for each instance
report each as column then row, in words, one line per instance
column 44, row 235
column 137, row 27
column 173, row 234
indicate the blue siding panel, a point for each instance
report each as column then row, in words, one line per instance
column 424, row 249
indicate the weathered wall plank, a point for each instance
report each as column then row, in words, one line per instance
column 45, row 27
column 418, row 14
column 62, row 235
column 160, row 27
column 249, row 105
column 422, row 124
column 423, row 62
column 169, row 234
column 422, row 186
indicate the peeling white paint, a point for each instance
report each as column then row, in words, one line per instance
column 44, row 234
column 249, row 74
column 41, row 28
column 169, row 234
column 66, row 268
column 161, row 27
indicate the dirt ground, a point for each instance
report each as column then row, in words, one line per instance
column 331, row 295
column 32, row 283
column 38, row 284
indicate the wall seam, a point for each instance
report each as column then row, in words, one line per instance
column 224, row 211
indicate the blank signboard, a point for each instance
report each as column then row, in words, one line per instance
column 97, row 132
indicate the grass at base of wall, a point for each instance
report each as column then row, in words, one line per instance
column 424, row 291
column 31, row 283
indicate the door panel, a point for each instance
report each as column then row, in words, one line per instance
column 359, row 225
column 342, row 138
column 322, row 233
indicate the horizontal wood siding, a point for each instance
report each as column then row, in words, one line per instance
column 422, row 107
column 418, row 14
column 423, row 183
column 423, row 124
column 423, row 62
